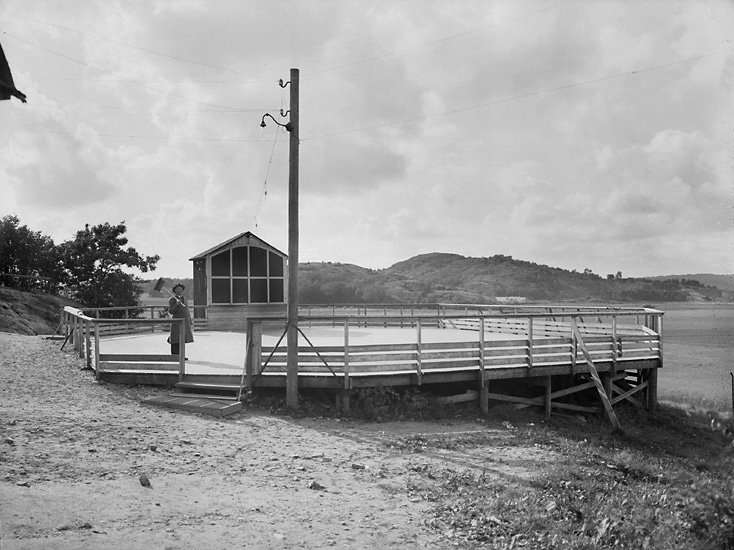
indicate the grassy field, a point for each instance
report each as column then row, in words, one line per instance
column 698, row 352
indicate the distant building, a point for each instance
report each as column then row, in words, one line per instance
column 239, row 278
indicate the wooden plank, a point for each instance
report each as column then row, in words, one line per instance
column 506, row 352
column 626, row 394
column 202, row 386
column 538, row 401
column 137, row 366
column 198, row 405
column 449, row 345
column 474, row 354
column 572, row 407
column 572, row 390
column 597, row 380
column 454, row 363
column 132, row 357
column 469, row 395
column 509, row 344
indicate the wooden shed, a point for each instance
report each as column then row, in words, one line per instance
column 239, row 278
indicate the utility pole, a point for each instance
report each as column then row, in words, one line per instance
column 292, row 331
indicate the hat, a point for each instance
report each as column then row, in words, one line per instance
column 178, row 285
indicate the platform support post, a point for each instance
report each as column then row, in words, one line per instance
column 652, row 391
column 607, row 381
column 548, row 401
column 343, row 400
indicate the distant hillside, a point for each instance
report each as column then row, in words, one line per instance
column 722, row 282
column 441, row 277
column 30, row 313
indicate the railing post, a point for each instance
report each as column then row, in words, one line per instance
column 257, row 345
column 78, row 339
column 483, row 386
column 419, row 349
column 614, row 346
column 249, row 359
column 346, row 354
column 97, row 366
column 530, row 343
column 574, row 345
column 87, row 345
column 181, row 349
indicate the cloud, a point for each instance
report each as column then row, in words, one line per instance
column 575, row 134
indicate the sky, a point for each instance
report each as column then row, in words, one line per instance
column 579, row 134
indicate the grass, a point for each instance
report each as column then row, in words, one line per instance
column 698, row 345
column 665, row 482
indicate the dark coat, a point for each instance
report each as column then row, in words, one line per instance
column 179, row 311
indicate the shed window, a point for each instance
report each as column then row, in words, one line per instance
column 276, row 290
column 247, row 274
column 258, row 262
column 220, row 291
column 239, row 291
column 220, row 264
column 239, row 261
column 259, row 288
column 276, row 265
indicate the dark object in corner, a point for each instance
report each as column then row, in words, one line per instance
column 7, row 86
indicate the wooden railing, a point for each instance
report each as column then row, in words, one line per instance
column 83, row 333
column 539, row 341
column 542, row 336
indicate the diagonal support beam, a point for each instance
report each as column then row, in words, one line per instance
column 595, row 377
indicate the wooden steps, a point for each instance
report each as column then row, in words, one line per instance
column 205, row 387
column 194, row 403
column 205, row 396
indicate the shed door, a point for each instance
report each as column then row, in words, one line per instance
column 200, row 288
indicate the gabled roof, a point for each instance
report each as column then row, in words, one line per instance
column 246, row 235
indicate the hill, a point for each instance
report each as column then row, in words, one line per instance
column 442, row 277
column 723, row 282
column 30, row 313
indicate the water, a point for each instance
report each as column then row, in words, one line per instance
column 698, row 354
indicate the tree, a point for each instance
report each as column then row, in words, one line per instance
column 26, row 255
column 94, row 263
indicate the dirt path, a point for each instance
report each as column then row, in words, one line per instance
column 72, row 451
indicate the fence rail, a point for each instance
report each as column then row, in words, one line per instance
column 543, row 337
column 84, row 334
column 538, row 336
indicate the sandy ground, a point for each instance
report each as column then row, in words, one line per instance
column 72, row 451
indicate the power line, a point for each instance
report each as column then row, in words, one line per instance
column 149, row 109
column 516, row 97
column 163, row 81
column 423, row 117
column 177, row 58
column 264, row 192
column 434, row 42
column 112, row 73
column 163, row 138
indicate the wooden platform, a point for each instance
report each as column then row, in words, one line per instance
column 539, row 356
column 203, row 405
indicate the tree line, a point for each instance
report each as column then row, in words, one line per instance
column 90, row 268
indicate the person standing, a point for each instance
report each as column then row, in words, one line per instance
column 179, row 310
